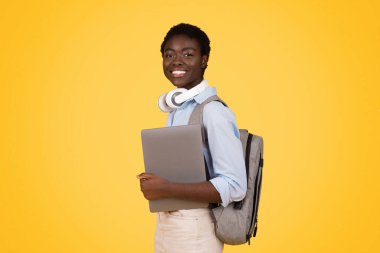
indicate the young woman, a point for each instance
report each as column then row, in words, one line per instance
column 185, row 53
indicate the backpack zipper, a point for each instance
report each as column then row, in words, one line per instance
column 247, row 155
column 253, row 225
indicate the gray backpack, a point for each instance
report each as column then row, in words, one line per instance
column 237, row 223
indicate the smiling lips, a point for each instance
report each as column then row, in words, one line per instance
column 178, row 73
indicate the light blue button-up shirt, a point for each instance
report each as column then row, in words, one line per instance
column 224, row 154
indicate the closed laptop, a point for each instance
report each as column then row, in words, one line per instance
column 176, row 154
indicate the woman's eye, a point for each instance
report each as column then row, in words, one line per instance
column 188, row 55
column 168, row 56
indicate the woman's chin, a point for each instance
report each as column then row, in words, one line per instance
column 178, row 83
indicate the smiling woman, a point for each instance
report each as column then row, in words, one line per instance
column 185, row 52
column 182, row 61
column 185, row 56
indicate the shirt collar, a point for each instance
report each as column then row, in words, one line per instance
column 208, row 92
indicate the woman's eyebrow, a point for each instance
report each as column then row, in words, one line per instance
column 183, row 49
column 188, row 48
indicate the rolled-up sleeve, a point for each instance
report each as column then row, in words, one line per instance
column 228, row 174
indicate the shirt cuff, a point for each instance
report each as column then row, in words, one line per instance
column 221, row 185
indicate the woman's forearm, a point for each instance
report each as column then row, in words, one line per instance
column 203, row 192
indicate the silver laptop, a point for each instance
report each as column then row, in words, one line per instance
column 176, row 154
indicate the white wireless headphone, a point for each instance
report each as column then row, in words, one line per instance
column 174, row 99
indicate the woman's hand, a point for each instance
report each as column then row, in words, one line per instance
column 152, row 186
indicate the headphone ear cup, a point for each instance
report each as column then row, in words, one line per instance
column 162, row 103
column 170, row 98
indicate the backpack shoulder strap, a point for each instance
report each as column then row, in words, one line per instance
column 196, row 116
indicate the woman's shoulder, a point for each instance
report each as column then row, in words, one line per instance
column 216, row 111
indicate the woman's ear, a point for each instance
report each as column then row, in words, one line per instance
column 204, row 61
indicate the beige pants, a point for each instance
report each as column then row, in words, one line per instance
column 186, row 231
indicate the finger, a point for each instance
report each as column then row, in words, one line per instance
column 145, row 176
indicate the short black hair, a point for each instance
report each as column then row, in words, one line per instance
column 191, row 31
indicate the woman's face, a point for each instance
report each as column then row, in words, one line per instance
column 182, row 62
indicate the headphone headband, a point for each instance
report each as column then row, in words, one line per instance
column 192, row 92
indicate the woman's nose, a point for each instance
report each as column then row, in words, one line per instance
column 177, row 60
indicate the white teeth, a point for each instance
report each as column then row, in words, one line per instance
column 178, row 72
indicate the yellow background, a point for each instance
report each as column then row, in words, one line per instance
column 79, row 80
